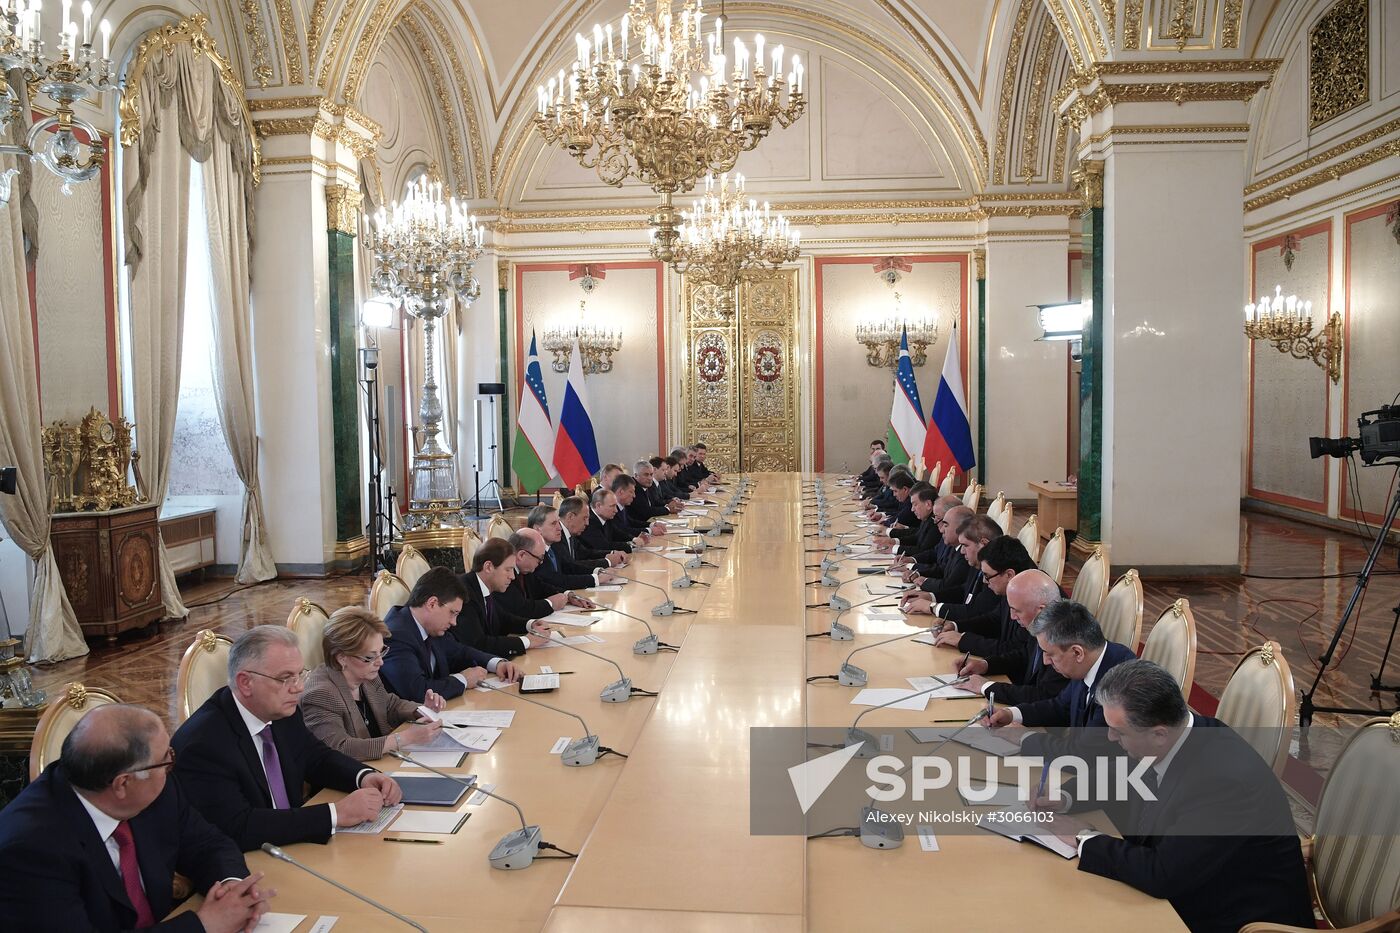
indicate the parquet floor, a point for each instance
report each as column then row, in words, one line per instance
column 1298, row 611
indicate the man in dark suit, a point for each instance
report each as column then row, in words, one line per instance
column 918, row 533
column 95, row 842
column 421, row 657
column 927, row 550
column 868, row 490
column 666, row 482
column 600, row 535
column 1031, row 678
column 1218, row 841
column 528, row 595
column 1000, row 561
column 868, row 477
column 574, row 518
column 707, row 476
column 243, row 757
column 649, row 503
column 952, row 569
column 1075, row 646
column 485, row 624
column 966, row 597
column 624, row 523
column 558, row 569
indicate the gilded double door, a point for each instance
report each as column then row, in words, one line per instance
column 740, row 383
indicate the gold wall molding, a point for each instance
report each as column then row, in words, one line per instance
column 1088, row 181
column 1182, row 130
column 1317, row 208
column 291, row 47
column 938, row 61
column 343, row 209
column 257, row 40
column 1362, row 139
column 1034, row 111
column 1059, row 209
column 1069, row 33
column 313, row 30
column 1230, row 24
column 193, row 30
column 446, row 109
column 328, row 54
column 1387, row 150
column 979, row 264
column 1188, row 66
column 363, row 146
column 1339, row 61
column 367, row 49
column 1183, row 17
column 1008, row 89
column 1132, row 25
column 464, row 89
column 264, row 104
column 305, row 160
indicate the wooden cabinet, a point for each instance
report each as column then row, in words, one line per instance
column 188, row 532
column 108, row 562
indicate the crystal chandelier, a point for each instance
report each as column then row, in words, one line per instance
column 1287, row 324
column 661, row 104
column 881, row 338
column 595, row 345
column 727, row 234
column 75, row 74
column 424, row 250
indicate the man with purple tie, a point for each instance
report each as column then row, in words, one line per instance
column 244, row 755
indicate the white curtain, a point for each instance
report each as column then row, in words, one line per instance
column 53, row 633
column 186, row 113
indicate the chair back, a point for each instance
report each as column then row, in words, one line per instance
column 387, row 592
column 471, row 540
column 557, row 499
column 1091, row 586
column 972, row 496
column 933, row 474
column 1004, row 519
column 1355, row 865
column 498, row 527
column 1052, row 558
column 996, row 505
column 1029, row 535
column 945, row 488
column 1259, row 700
column 309, row 620
column 1121, row 615
column 1172, row 644
column 59, row 718
column 412, row 565
column 203, row 670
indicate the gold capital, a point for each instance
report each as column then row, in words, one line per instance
column 979, row 262
column 1088, row 182
column 343, row 208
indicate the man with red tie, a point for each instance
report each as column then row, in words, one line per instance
column 95, row 842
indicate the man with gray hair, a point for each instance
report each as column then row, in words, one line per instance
column 1217, row 837
column 557, row 569
column 648, row 503
column 94, row 843
column 245, row 754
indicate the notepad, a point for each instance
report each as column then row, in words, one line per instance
column 376, row 825
column 605, row 588
column 879, row 696
column 974, row 737
column 884, row 615
column 430, row 821
column 436, row 759
column 432, row 791
column 947, row 692
column 281, row 923
column 476, row 738
column 539, row 683
column 571, row 618
column 1013, row 830
column 495, row 718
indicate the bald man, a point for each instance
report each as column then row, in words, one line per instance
column 1032, row 679
column 531, row 595
column 95, row 842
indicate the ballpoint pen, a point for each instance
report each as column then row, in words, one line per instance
column 426, row 842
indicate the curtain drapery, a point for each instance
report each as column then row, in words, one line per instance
column 53, row 633
column 187, row 113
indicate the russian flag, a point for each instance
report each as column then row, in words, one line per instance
column 575, row 447
column 949, row 436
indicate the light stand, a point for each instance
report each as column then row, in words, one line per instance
column 486, row 443
column 380, row 528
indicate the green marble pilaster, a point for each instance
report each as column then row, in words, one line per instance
column 345, row 418
column 981, row 263
column 505, row 435
column 1091, row 384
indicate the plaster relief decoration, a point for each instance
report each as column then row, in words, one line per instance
column 257, row 40
column 1339, row 61
column 768, row 430
column 1289, row 249
column 709, row 384
column 1392, row 220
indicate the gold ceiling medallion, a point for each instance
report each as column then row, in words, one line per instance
column 1339, row 56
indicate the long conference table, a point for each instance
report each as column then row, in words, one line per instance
column 663, row 836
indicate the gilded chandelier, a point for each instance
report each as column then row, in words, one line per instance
column 595, row 345
column 1287, row 324
column 424, row 253
column 727, row 234
column 881, row 338
column 75, row 74
column 658, row 103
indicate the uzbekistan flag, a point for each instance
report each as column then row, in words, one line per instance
column 906, row 434
column 533, row 453
column 575, row 448
column 949, row 436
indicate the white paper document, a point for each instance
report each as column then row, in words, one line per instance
column 279, row 923
column 442, row 742
column 976, row 737
column 605, row 588
column 883, row 614
column 323, row 924
column 494, row 718
column 429, row 821
column 370, row 827
column 946, row 692
column 476, row 738
column 992, row 795
column 436, row 759
column 878, row 696
column 491, row 684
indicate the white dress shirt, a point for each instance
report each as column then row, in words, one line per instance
column 1089, row 679
column 486, row 595
column 106, row 830
column 255, row 726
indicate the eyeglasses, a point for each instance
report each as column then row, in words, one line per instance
column 286, row 680
column 167, row 762
column 993, row 576
column 367, row 658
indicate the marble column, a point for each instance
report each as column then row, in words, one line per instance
column 1167, row 315
column 342, row 220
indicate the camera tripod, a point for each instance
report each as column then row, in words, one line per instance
column 1306, row 707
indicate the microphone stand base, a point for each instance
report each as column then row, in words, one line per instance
column 581, row 752
column 852, row 676
column 841, row 632
column 619, row 691
column 647, row 645
column 516, row 850
column 875, row 834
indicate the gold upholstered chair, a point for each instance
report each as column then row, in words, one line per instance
column 1354, row 867
column 1052, row 557
column 557, row 499
column 411, row 565
column 933, row 474
column 203, row 670
column 1121, row 615
column 995, row 507
column 308, row 621
column 1029, row 535
column 945, row 488
column 1172, row 644
column 1091, row 586
column 471, row 540
column 1259, row 700
column 61, row 715
column 387, row 591
column 972, row 496
column 498, row 527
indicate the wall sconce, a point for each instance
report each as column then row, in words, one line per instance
column 595, row 346
column 881, row 338
column 1287, row 324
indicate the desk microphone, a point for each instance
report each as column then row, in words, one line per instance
column 698, row 561
column 666, row 608
column 518, row 848
column 578, row 753
column 684, row 581
column 277, row 853
column 852, row 676
column 620, row 690
column 868, row 743
column 648, row 644
column 839, row 632
column 719, row 526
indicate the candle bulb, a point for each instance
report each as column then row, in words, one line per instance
column 758, row 51
column 105, row 28
column 610, row 46
column 87, row 23
column 626, row 20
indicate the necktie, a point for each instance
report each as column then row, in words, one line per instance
column 553, row 559
column 432, row 658
column 273, row 766
column 490, row 615
column 131, row 876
